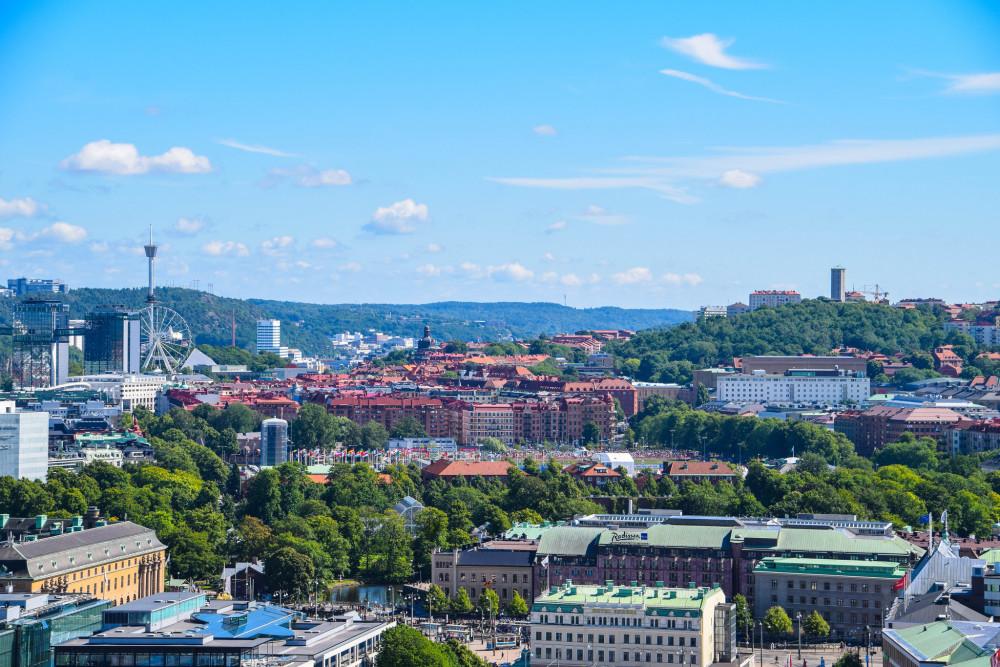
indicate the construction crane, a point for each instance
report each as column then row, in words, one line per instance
column 877, row 295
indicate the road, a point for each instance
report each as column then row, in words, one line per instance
column 810, row 657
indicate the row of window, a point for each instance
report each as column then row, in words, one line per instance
column 611, row 639
column 614, row 621
column 812, row 585
column 853, row 602
column 627, row 657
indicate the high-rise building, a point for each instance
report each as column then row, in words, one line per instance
column 838, row 284
column 273, row 442
column 111, row 342
column 24, row 443
column 40, row 343
column 269, row 337
column 29, row 286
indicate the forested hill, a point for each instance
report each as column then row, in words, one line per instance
column 810, row 327
column 309, row 326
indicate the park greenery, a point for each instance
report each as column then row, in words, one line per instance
column 811, row 327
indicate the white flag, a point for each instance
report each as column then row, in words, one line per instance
column 545, row 562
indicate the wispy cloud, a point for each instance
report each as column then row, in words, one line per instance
column 598, row 215
column 103, row 156
column 708, row 49
column 981, row 83
column 714, row 87
column 633, row 276
column 25, row 207
column 254, row 148
column 545, row 130
column 189, row 226
column 674, row 176
column 221, row 248
column 306, row 176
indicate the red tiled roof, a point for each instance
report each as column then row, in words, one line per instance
column 681, row 468
column 446, row 468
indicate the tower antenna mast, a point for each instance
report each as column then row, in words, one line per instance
column 150, row 249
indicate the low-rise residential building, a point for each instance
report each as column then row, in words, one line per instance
column 447, row 469
column 812, row 387
column 594, row 474
column 618, row 626
column 972, row 437
column 700, row 471
column 850, row 594
column 880, row 425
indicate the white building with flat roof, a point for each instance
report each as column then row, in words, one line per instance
column 795, row 387
column 24, row 443
column 269, row 337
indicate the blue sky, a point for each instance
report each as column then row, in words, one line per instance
column 658, row 154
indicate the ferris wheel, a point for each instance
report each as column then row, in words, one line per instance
column 165, row 339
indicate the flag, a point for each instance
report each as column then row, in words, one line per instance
column 995, row 658
column 927, row 518
column 545, row 563
column 901, row 584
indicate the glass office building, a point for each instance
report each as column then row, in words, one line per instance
column 40, row 343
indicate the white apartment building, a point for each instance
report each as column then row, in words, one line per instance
column 126, row 391
column 24, row 443
column 269, row 337
column 627, row 626
column 795, row 387
column 712, row 311
column 773, row 298
column 987, row 335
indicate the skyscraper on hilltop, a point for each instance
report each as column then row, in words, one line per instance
column 838, row 284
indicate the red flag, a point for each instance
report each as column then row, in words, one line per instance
column 995, row 658
column 901, row 584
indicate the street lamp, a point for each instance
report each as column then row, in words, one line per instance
column 798, row 617
column 761, row 624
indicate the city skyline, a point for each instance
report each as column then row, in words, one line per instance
column 666, row 156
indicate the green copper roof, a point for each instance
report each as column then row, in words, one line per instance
column 931, row 641
column 669, row 535
column 655, row 600
column 568, row 540
column 991, row 556
column 838, row 541
column 835, row 568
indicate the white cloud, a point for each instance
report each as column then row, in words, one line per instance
column 220, row 248
column 690, row 279
column 398, row 218
column 978, row 83
column 601, row 216
column 99, row 247
column 671, row 192
column 470, row 268
column 708, row 49
column 63, row 232
column 253, row 148
column 549, row 257
column 189, row 226
column 274, row 245
column 511, row 271
column 557, row 226
column 739, row 179
column 7, row 238
column 106, row 157
column 714, row 87
column 324, row 243
column 25, row 207
column 637, row 274
column 310, row 177
column 571, row 280
column 433, row 248
column 350, row 267
column 429, row 270
column 677, row 174
column 544, row 130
